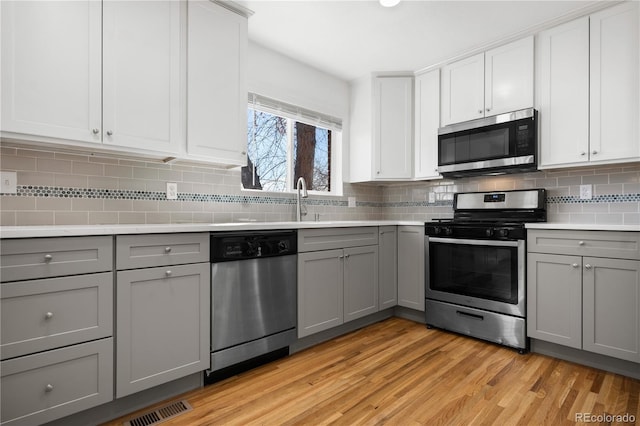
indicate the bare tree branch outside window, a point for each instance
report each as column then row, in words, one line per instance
column 268, row 139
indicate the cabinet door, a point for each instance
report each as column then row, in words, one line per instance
column 411, row 267
column 554, row 298
column 388, row 267
column 320, row 291
column 463, row 90
column 611, row 303
column 217, row 89
column 162, row 324
column 141, row 75
column 427, row 121
column 563, row 93
column 615, row 83
column 508, row 77
column 360, row 282
column 393, row 134
column 51, row 69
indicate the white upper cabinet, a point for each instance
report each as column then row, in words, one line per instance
column 141, row 75
column 615, row 83
column 51, row 69
column 463, row 90
column 427, row 121
column 588, row 89
column 563, row 93
column 381, row 130
column 490, row 83
column 393, row 134
column 216, row 84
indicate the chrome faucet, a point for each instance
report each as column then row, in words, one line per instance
column 301, row 185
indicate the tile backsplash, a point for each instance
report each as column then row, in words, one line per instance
column 58, row 188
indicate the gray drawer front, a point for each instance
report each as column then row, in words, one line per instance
column 23, row 259
column 620, row 245
column 45, row 314
column 49, row 385
column 143, row 251
column 334, row 238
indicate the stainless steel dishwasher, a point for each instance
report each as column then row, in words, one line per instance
column 253, row 295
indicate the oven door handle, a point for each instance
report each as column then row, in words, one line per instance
column 495, row 243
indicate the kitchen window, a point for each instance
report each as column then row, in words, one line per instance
column 285, row 142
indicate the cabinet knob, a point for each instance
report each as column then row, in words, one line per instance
column 244, row 153
column 594, row 152
column 488, row 109
column 167, row 249
column 48, row 258
column 95, row 131
column 347, row 256
column 168, row 273
column 583, row 153
column 587, row 266
column 48, row 388
column 341, row 257
column 48, row 315
column 479, row 111
column 580, row 243
column 109, row 133
column 575, row 265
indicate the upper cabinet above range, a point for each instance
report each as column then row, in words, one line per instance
column 490, row 83
column 126, row 76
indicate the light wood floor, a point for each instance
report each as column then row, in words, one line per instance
column 400, row 373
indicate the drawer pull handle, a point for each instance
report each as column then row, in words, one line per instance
column 167, row 249
column 168, row 273
column 48, row 258
column 48, row 388
column 48, row 315
column 581, row 243
column 587, row 266
column 575, row 265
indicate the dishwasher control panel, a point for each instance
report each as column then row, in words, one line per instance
column 227, row 246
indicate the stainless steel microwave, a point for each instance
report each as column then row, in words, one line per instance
column 505, row 143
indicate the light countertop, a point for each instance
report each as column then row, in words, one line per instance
column 583, row 227
column 81, row 230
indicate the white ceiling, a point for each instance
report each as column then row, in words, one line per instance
column 350, row 39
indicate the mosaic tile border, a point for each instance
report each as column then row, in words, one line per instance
column 117, row 194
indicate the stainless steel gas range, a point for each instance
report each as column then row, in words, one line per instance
column 475, row 265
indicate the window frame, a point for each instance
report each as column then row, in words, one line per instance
column 335, row 160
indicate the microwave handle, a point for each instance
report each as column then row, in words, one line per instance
column 474, row 242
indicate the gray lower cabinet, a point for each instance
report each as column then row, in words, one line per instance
column 584, row 298
column 162, row 314
column 320, row 291
column 388, row 267
column 411, row 267
column 56, row 310
column 336, row 285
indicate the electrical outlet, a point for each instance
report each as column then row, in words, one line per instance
column 431, row 197
column 586, row 192
column 8, row 183
column 172, row 191
column 352, row 201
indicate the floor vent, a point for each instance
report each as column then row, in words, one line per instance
column 159, row 415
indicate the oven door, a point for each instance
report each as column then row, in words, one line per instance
column 481, row 274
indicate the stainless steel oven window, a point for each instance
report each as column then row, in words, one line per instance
column 484, row 274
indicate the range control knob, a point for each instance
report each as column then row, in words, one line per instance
column 503, row 232
column 437, row 230
column 448, row 230
column 488, row 232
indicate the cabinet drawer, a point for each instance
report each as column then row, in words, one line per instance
column 23, row 259
column 621, row 245
column 335, row 238
column 142, row 251
column 44, row 314
column 50, row 385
